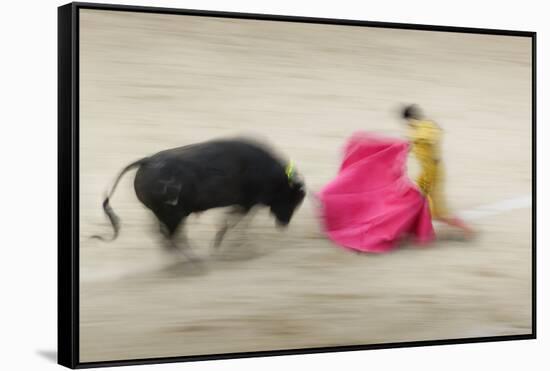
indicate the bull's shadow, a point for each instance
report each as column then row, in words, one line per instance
column 196, row 249
column 221, row 259
column 238, row 245
column 243, row 249
column 183, row 268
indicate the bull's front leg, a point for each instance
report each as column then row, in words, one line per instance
column 235, row 216
column 186, row 249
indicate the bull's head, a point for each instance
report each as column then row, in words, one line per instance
column 288, row 198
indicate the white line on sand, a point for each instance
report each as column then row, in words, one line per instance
column 496, row 208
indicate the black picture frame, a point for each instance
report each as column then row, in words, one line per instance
column 68, row 181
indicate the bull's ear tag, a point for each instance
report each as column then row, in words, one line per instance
column 290, row 171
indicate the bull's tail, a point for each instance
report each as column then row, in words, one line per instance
column 113, row 218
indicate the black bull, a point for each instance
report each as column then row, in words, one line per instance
column 239, row 173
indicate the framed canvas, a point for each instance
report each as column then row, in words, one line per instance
column 242, row 185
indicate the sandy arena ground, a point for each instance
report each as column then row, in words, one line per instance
column 152, row 82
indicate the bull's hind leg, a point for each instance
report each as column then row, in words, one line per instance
column 169, row 227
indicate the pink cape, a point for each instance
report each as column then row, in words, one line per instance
column 372, row 204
